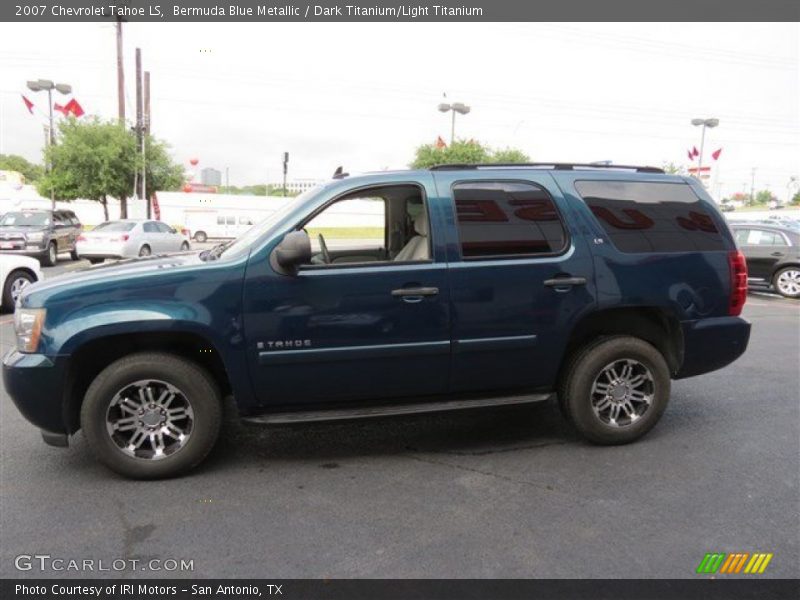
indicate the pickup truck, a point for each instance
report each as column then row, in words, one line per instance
column 469, row 286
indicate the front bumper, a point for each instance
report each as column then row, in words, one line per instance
column 35, row 383
column 34, row 251
column 710, row 344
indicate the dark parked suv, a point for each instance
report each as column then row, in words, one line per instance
column 772, row 252
column 461, row 286
column 43, row 234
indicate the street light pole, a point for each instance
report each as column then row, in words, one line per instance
column 48, row 86
column 455, row 107
column 711, row 123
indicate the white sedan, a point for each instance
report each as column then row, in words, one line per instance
column 128, row 238
column 16, row 273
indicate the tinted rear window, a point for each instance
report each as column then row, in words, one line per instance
column 651, row 217
column 501, row 218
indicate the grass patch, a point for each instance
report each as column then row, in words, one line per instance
column 347, row 233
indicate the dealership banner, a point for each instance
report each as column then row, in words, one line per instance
column 382, row 10
column 400, row 589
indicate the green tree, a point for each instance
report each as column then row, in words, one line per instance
column 673, row 169
column 95, row 159
column 13, row 162
column 509, row 155
column 764, row 197
column 465, row 152
column 92, row 159
column 162, row 172
column 795, row 199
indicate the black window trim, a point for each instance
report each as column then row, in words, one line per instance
column 493, row 257
column 375, row 263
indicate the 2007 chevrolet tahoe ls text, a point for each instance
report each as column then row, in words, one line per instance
column 471, row 285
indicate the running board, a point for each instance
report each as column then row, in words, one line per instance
column 387, row 411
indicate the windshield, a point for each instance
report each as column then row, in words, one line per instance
column 243, row 243
column 25, row 219
column 115, row 226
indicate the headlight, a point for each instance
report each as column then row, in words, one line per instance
column 34, row 237
column 28, row 327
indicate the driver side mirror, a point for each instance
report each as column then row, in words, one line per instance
column 294, row 250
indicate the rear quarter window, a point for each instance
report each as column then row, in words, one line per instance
column 641, row 216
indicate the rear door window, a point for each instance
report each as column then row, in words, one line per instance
column 641, row 216
column 505, row 219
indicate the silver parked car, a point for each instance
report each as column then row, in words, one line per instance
column 128, row 238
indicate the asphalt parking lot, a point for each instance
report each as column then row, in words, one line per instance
column 491, row 493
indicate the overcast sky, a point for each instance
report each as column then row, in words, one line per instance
column 365, row 95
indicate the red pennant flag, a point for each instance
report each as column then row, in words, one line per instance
column 440, row 143
column 690, row 155
column 75, row 108
column 716, row 153
column 62, row 109
column 694, row 151
column 28, row 104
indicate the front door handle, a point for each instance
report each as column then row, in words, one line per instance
column 777, row 254
column 563, row 282
column 415, row 292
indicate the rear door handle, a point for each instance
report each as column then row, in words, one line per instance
column 558, row 282
column 415, row 292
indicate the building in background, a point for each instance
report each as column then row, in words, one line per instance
column 209, row 176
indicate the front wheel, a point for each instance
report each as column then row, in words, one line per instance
column 15, row 282
column 200, row 237
column 787, row 282
column 74, row 254
column 152, row 415
column 615, row 389
column 144, row 250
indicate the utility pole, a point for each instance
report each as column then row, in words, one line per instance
column 139, row 119
column 227, row 180
column 145, row 134
column 753, row 186
column 120, row 74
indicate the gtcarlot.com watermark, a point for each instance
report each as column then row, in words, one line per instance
column 46, row 562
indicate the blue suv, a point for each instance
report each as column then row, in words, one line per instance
column 392, row 293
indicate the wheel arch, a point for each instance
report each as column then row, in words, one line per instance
column 93, row 355
column 654, row 325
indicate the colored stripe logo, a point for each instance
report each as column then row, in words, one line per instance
column 734, row 563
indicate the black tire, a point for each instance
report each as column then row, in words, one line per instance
column 145, row 250
column 199, row 389
column 96, row 261
column 783, row 289
column 200, row 237
column 74, row 254
column 587, row 364
column 50, row 256
column 8, row 288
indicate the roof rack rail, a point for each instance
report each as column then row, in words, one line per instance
column 554, row 166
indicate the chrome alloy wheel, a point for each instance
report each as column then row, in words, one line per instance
column 17, row 285
column 622, row 392
column 789, row 282
column 150, row 419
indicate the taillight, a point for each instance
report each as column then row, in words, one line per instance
column 122, row 238
column 81, row 238
column 738, row 267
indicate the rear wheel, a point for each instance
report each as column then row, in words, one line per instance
column 787, row 282
column 152, row 415
column 15, row 282
column 200, row 236
column 51, row 256
column 144, row 250
column 74, row 254
column 615, row 389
